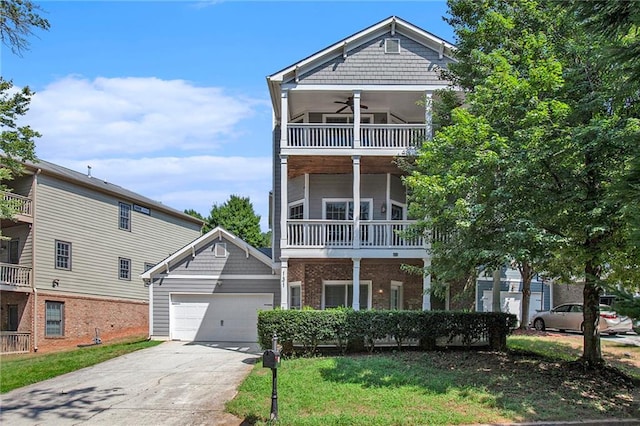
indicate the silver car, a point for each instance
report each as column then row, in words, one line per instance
column 570, row 317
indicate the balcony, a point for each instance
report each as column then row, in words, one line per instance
column 22, row 206
column 14, row 342
column 341, row 136
column 339, row 234
column 15, row 275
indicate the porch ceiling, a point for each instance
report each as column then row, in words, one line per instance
column 300, row 164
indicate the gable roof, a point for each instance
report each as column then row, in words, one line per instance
column 191, row 248
column 103, row 186
column 391, row 24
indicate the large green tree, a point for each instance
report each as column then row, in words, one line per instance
column 237, row 216
column 531, row 164
column 18, row 20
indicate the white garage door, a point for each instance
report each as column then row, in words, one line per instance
column 217, row 317
column 511, row 302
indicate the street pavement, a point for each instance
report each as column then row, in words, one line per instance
column 174, row 383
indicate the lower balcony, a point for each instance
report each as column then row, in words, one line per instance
column 15, row 275
column 340, row 233
column 14, row 342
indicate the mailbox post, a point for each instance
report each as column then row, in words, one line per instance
column 271, row 359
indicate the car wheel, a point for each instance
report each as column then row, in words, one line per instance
column 538, row 324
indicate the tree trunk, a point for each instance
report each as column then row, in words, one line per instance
column 526, row 274
column 495, row 305
column 592, row 354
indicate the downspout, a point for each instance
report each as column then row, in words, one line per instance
column 150, row 283
column 33, row 264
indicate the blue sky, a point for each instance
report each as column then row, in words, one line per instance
column 169, row 99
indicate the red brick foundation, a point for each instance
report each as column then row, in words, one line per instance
column 380, row 272
column 114, row 319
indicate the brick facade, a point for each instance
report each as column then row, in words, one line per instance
column 114, row 319
column 312, row 273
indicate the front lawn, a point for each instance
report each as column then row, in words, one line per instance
column 22, row 370
column 441, row 387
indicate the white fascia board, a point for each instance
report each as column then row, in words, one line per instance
column 367, row 87
column 346, row 152
column 326, row 253
column 222, row 277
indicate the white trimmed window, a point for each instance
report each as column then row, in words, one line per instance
column 342, row 209
column 395, row 296
column 295, row 295
column 124, row 268
column 398, row 211
column 340, row 294
column 63, row 255
column 54, row 319
column 124, row 221
column 296, row 210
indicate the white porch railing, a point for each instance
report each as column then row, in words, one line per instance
column 392, row 135
column 22, row 205
column 14, row 342
column 337, row 233
column 377, row 136
column 320, row 135
column 16, row 275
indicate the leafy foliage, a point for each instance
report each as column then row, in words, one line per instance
column 18, row 19
column 355, row 329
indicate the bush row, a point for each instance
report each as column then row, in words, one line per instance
column 353, row 330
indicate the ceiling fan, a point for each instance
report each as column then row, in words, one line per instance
column 348, row 104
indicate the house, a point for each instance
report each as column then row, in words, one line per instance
column 341, row 117
column 69, row 270
column 211, row 290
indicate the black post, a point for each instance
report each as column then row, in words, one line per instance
column 274, row 388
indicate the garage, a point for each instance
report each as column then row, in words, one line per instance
column 217, row 317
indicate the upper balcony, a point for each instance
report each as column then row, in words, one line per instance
column 374, row 137
column 15, row 275
column 22, row 206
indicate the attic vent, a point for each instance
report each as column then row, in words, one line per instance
column 220, row 250
column 391, row 45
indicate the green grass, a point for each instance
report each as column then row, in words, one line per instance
column 21, row 370
column 543, row 347
column 448, row 387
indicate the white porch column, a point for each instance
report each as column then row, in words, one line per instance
column 284, row 284
column 284, row 113
column 284, row 202
column 356, row 284
column 356, row 119
column 426, row 286
column 356, row 201
column 428, row 115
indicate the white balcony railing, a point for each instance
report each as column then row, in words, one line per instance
column 375, row 136
column 19, row 276
column 21, row 205
column 337, row 233
column 14, row 342
column 392, row 135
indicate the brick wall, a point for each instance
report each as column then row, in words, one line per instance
column 115, row 320
column 380, row 272
column 25, row 310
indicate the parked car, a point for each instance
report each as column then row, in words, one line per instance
column 569, row 316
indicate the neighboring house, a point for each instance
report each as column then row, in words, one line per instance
column 71, row 265
column 211, row 290
column 511, row 293
column 341, row 117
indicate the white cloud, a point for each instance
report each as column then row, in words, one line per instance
column 125, row 116
column 159, row 138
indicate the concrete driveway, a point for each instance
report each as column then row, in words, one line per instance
column 175, row 383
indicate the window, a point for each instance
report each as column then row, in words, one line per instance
column 125, row 216
column 296, row 210
column 346, row 118
column 63, row 255
column 343, row 209
column 395, row 296
column 14, row 252
column 397, row 211
column 295, row 293
column 54, row 317
column 124, row 268
column 220, row 250
column 391, row 45
column 340, row 293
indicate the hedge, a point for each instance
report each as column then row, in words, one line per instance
column 353, row 330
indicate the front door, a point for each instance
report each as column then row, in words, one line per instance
column 13, row 318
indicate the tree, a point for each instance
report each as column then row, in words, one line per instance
column 237, row 216
column 18, row 19
column 528, row 169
